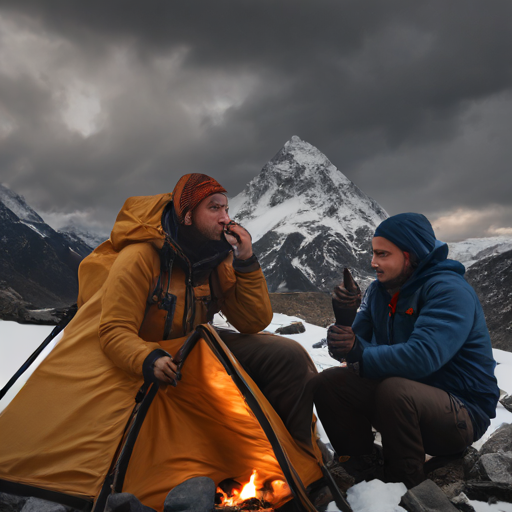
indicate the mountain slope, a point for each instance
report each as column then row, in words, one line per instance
column 492, row 280
column 308, row 221
column 472, row 250
column 36, row 262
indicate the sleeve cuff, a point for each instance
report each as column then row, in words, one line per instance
column 149, row 363
column 356, row 354
column 245, row 266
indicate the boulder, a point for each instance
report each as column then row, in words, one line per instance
column 38, row 505
column 450, row 472
column 426, row 497
column 496, row 467
column 125, row 502
column 11, row 503
column 506, row 401
column 501, row 439
column 485, row 491
column 293, row 328
column 194, row 495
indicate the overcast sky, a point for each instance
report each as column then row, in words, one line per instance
column 412, row 101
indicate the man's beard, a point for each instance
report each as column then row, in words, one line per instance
column 393, row 285
column 200, row 236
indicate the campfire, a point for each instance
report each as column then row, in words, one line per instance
column 232, row 496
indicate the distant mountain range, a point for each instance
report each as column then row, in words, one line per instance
column 472, row 250
column 308, row 221
column 38, row 265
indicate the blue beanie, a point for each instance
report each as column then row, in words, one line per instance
column 410, row 232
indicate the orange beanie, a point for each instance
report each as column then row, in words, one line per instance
column 190, row 190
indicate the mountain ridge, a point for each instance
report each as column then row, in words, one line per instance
column 308, row 220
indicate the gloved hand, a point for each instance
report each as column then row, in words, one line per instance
column 346, row 298
column 340, row 341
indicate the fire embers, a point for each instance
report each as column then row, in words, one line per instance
column 232, row 496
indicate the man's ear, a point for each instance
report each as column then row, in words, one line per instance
column 188, row 219
column 407, row 257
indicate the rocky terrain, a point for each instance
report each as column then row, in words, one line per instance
column 313, row 307
column 492, row 280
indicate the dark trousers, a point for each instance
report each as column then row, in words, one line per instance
column 283, row 371
column 412, row 418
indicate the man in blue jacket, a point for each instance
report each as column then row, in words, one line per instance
column 419, row 368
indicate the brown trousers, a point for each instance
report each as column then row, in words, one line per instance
column 283, row 371
column 412, row 418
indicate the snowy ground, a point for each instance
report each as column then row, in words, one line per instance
column 18, row 341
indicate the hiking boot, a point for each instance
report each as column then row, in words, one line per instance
column 364, row 467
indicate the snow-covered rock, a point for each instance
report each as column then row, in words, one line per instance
column 308, row 220
column 472, row 250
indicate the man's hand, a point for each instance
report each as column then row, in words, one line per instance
column 340, row 340
column 166, row 371
column 240, row 239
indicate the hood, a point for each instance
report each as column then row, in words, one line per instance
column 140, row 220
column 411, row 232
column 435, row 262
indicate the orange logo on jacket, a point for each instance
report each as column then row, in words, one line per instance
column 410, row 311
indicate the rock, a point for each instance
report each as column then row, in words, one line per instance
column 320, row 344
column 506, row 401
column 449, row 472
column 501, row 439
column 426, row 497
column 496, row 467
column 194, row 495
column 484, row 491
column 125, row 502
column 293, row 328
column 461, row 502
column 38, row 505
column 343, row 479
column 11, row 503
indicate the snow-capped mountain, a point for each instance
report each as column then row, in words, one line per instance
column 472, row 250
column 308, row 221
column 79, row 235
column 37, row 264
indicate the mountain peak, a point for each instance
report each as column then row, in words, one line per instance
column 18, row 206
column 298, row 199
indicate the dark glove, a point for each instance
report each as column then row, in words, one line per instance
column 340, row 340
column 346, row 299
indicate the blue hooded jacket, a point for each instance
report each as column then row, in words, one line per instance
column 437, row 335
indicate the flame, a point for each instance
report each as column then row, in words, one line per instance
column 249, row 490
column 276, row 494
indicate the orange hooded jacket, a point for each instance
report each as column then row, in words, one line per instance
column 63, row 428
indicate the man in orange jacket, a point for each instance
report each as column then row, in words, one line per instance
column 172, row 261
column 199, row 229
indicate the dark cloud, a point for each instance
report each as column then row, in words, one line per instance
column 412, row 101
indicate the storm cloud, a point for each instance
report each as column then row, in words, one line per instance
column 410, row 100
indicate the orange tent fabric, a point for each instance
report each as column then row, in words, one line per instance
column 62, row 429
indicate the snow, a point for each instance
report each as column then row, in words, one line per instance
column 18, row 341
column 18, row 206
column 305, row 207
column 31, row 226
column 472, row 250
column 362, row 497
